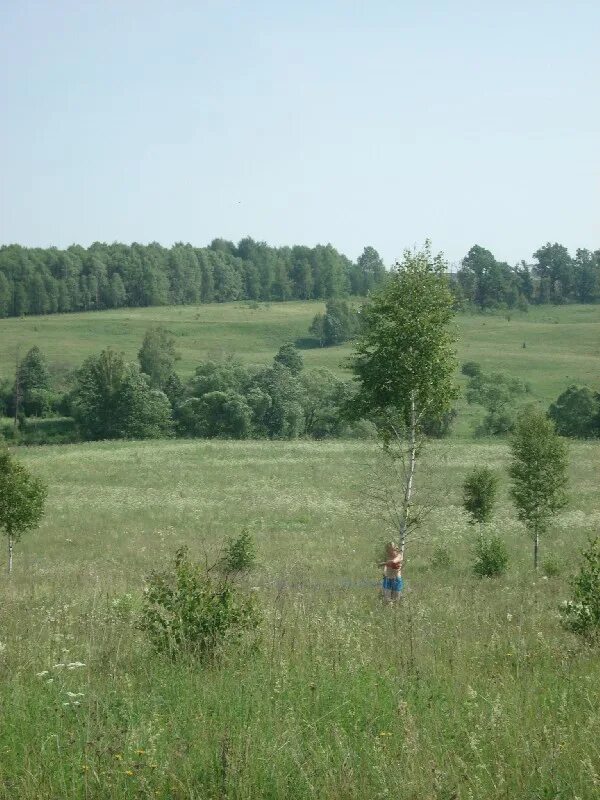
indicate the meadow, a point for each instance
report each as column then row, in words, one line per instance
column 468, row 689
column 562, row 343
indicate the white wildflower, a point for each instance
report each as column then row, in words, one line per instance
column 75, row 695
column 42, row 673
column 2, row 647
column 75, row 664
column 509, row 617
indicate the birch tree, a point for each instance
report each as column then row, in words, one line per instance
column 539, row 473
column 405, row 363
column 22, row 498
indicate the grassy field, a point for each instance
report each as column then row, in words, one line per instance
column 468, row 689
column 562, row 343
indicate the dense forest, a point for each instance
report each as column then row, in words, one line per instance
column 47, row 281
column 554, row 277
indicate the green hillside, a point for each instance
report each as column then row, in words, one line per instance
column 562, row 342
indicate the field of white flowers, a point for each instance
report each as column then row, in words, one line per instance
column 468, row 689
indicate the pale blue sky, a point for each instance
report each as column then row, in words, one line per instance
column 379, row 122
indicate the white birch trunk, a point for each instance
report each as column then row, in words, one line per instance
column 410, row 474
column 10, row 554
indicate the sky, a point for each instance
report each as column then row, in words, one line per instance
column 377, row 123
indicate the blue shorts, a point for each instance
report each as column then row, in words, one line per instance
column 393, row 584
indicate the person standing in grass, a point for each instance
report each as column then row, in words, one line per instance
column 392, row 573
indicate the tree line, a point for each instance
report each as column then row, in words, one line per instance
column 555, row 277
column 103, row 276
column 48, row 281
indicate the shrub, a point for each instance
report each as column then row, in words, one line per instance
column 576, row 413
column 193, row 609
column 491, row 557
column 479, row 494
column 239, row 554
column 551, row 567
column 581, row 614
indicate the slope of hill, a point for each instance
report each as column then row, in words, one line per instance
column 562, row 344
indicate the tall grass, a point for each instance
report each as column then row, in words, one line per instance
column 468, row 689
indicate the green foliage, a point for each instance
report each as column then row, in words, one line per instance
column 325, row 396
column 112, row 399
column 479, row 494
column 216, row 414
column 551, row 567
column 32, row 377
column 290, row 357
column 576, row 413
column 405, row 352
column 581, row 614
column 338, row 324
column 538, row 472
column 157, row 356
column 22, row 498
column 498, row 393
column 239, row 554
column 491, row 557
column 192, row 610
column 277, row 401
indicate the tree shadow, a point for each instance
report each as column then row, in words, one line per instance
column 306, row 343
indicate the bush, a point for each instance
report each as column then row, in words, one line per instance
column 192, row 609
column 491, row 557
column 581, row 614
column 576, row 413
column 551, row 567
column 471, row 369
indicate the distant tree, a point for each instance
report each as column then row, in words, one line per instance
column 290, row 357
column 142, row 412
column 498, row 393
column 404, row 360
column 556, row 273
column 538, row 472
column 31, row 377
column 22, row 498
column 112, row 400
column 117, row 292
column 339, row 323
column 157, row 356
column 576, row 413
column 216, row 414
column 277, row 401
column 479, row 494
column 325, row 396
column 370, row 271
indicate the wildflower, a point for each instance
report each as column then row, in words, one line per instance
column 42, row 673
column 509, row 617
column 74, row 695
column 140, row 752
column 129, row 772
column 385, row 733
column 119, row 756
column 75, row 664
